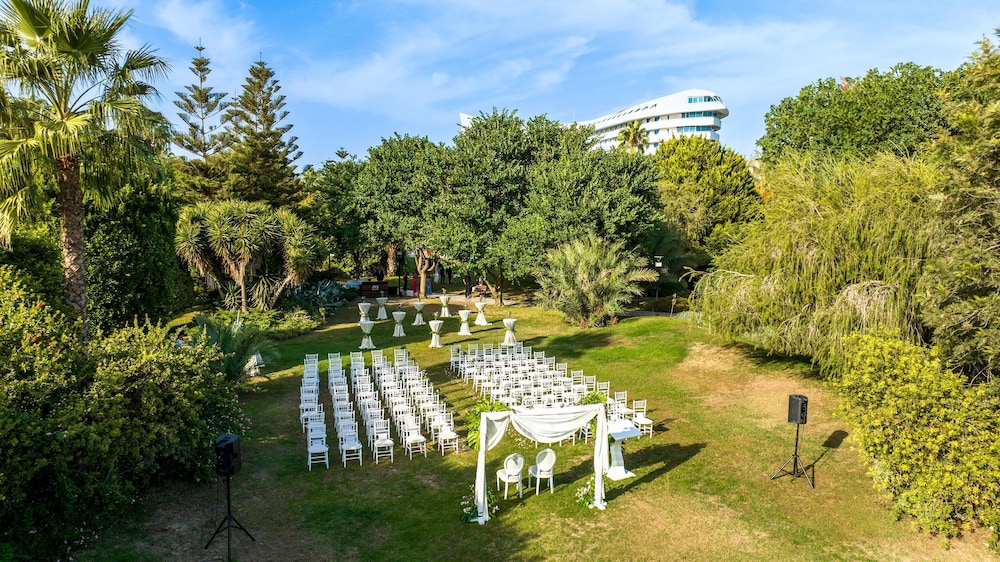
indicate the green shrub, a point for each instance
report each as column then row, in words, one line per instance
column 472, row 419
column 274, row 324
column 132, row 267
column 929, row 440
column 85, row 427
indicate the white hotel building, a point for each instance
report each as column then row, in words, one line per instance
column 691, row 112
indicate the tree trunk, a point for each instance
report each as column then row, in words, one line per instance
column 425, row 265
column 391, row 267
column 496, row 289
column 71, row 239
column 243, row 287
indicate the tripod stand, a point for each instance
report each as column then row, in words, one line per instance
column 228, row 522
column 797, row 467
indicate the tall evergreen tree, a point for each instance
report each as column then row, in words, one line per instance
column 198, row 106
column 260, row 162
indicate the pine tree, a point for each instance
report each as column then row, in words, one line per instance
column 260, row 161
column 198, row 106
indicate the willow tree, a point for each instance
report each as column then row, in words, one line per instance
column 840, row 249
column 71, row 112
column 260, row 251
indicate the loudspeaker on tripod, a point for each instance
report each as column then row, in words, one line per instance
column 227, row 454
column 798, row 407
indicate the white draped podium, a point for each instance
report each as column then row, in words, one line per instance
column 366, row 327
column 363, row 308
column 381, row 308
column 543, row 425
column 445, row 299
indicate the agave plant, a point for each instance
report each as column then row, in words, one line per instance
column 238, row 342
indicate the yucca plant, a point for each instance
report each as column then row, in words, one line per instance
column 591, row 280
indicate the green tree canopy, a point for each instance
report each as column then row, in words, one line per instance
column 399, row 180
column 260, row 160
column 199, row 106
column 896, row 111
column 707, row 194
column 332, row 207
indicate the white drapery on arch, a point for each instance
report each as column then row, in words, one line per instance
column 544, row 425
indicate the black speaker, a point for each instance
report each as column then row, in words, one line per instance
column 227, row 454
column 798, row 407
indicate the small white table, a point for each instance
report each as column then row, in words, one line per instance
column 398, row 316
column 480, row 317
column 620, row 430
column 464, row 315
column 381, row 308
column 366, row 327
column 445, row 313
column 508, row 338
column 363, row 308
column 436, row 331
column 418, row 320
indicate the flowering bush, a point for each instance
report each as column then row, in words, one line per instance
column 470, row 511
column 585, row 494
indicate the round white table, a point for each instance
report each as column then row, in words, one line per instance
column 381, row 308
column 480, row 317
column 363, row 308
column 436, row 331
column 366, row 327
column 445, row 313
column 398, row 316
column 418, row 320
column 508, row 338
column 464, row 315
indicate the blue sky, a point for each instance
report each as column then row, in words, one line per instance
column 354, row 72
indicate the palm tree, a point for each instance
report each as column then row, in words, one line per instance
column 590, row 280
column 633, row 136
column 72, row 113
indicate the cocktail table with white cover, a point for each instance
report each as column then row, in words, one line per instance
column 508, row 338
column 398, row 316
column 418, row 320
column 363, row 308
column 445, row 313
column 464, row 315
column 381, row 308
column 480, row 317
column 436, row 331
column 620, row 429
column 366, row 327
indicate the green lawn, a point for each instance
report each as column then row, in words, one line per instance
column 701, row 491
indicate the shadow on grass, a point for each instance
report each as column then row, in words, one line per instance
column 832, row 442
column 763, row 358
column 572, row 346
column 668, row 456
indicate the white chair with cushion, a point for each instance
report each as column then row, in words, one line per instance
column 511, row 473
column 544, row 467
column 383, row 446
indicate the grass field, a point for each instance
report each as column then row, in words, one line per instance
column 701, row 491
